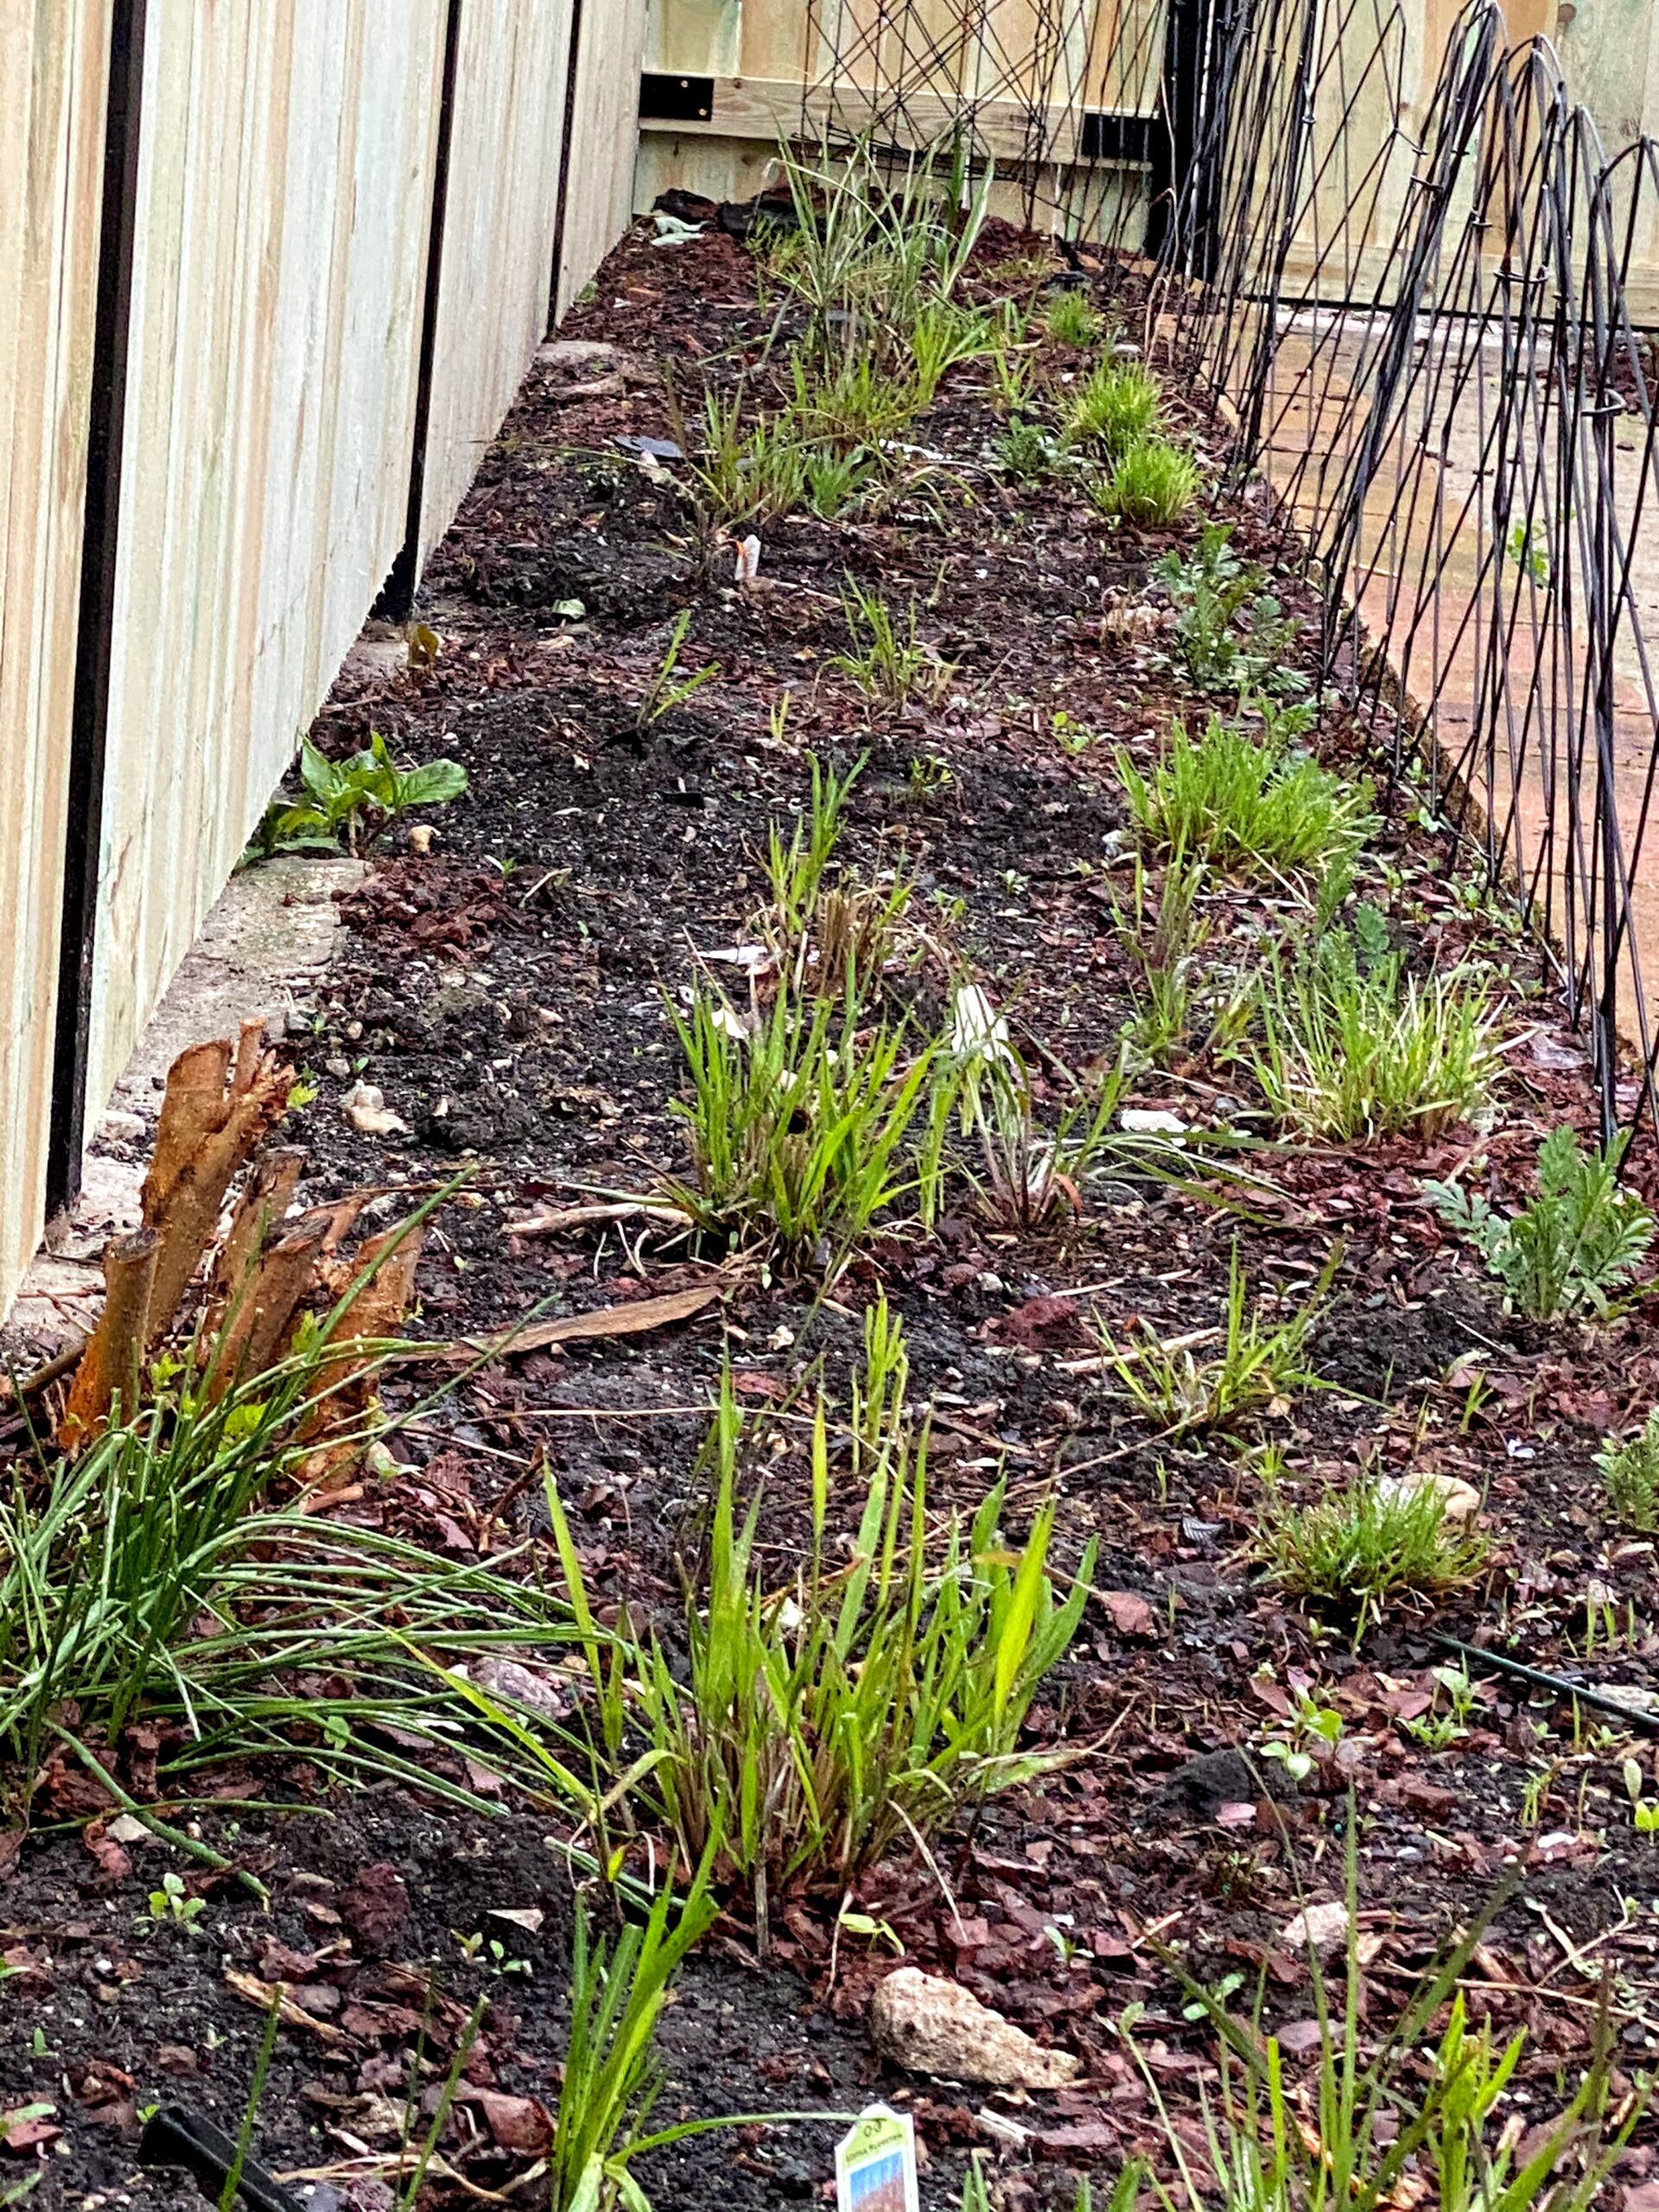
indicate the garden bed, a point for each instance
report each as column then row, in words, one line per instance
column 507, row 989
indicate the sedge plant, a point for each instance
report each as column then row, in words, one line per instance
column 889, row 660
column 1249, row 1364
column 1115, row 408
column 1260, row 808
column 821, row 1721
column 1359, row 1550
column 1150, row 487
column 798, row 1127
column 1353, row 1045
column 1409, row 2112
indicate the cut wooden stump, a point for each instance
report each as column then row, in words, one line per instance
column 114, row 1357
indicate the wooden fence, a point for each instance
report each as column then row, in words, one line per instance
column 273, row 275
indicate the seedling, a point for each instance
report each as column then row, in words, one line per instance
column 174, row 1902
column 875, row 1931
column 746, row 472
column 1028, row 453
column 1028, row 1172
column 1257, row 1366
column 357, row 800
column 1583, row 1238
column 1151, row 487
column 1645, row 1809
column 1309, row 1723
column 1437, row 1732
column 669, row 690
column 1629, row 1473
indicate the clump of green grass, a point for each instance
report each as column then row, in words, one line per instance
column 1072, row 319
column 1356, row 1047
column 1117, row 407
column 1181, row 1003
column 819, row 1722
column 889, row 661
column 611, row 2078
column 1629, row 1474
column 854, row 401
column 1249, row 1363
column 798, row 1128
column 1361, row 1549
column 1151, row 486
column 1582, row 1238
column 833, row 940
column 1263, row 808
column 747, row 471
column 1026, row 453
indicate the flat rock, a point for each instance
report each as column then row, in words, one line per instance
column 932, row 2026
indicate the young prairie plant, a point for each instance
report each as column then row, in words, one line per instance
column 1250, row 1364
column 888, row 662
column 668, row 688
column 1072, row 319
column 1026, row 1171
column 1181, row 1006
column 1357, row 1550
column 1351, row 1046
column 1215, row 592
column 820, row 1721
column 832, row 940
column 749, row 469
column 1258, row 807
column 1420, row 2121
column 1117, row 406
column 355, row 800
column 1150, row 487
column 1630, row 1472
column 1582, row 1238
column 799, row 1121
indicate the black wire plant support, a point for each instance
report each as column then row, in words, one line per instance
column 1426, row 299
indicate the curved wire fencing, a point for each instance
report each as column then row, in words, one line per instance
column 1428, row 302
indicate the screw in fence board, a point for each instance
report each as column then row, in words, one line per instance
column 397, row 599
column 95, row 613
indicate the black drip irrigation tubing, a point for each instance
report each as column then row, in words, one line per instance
column 1647, row 1723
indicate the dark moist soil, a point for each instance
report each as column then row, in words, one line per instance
column 505, row 989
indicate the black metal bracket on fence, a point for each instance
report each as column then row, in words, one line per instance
column 397, row 599
column 667, row 98
column 561, row 205
column 95, row 613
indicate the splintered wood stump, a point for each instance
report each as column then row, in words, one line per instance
column 385, row 1282
column 207, row 1133
column 113, row 1359
column 266, row 1197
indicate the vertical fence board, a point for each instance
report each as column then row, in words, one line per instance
column 283, row 194
column 53, row 60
